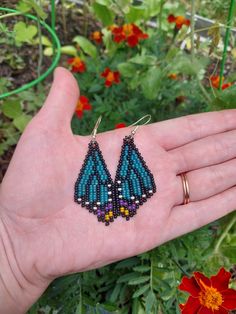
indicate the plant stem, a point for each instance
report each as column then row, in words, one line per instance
column 9, row 15
column 224, row 234
column 192, row 28
column 226, row 41
column 64, row 18
column 205, row 93
column 53, row 20
column 40, row 61
column 160, row 14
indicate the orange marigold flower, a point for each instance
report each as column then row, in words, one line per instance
column 173, row 76
column 77, row 65
column 178, row 20
column 120, row 125
column 82, row 104
column 130, row 33
column 111, row 77
column 208, row 295
column 215, row 82
column 97, row 37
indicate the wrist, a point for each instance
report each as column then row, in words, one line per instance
column 18, row 291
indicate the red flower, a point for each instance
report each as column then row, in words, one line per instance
column 111, row 77
column 208, row 295
column 82, row 104
column 178, row 20
column 129, row 33
column 77, row 65
column 120, row 125
column 97, row 37
column 215, row 82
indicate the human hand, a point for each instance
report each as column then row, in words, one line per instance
column 45, row 234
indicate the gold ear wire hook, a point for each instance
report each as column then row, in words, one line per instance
column 148, row 116
column 96, row 128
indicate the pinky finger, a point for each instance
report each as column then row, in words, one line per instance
column 186, row 218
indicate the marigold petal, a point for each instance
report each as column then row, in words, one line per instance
column 132, row 41
column 87, row 106
column 187, row 22
column 171, row 18
column 202, row 278
column 83, row 99
column 229, row 297
column 221, row 311
column 191, row 307
column 70, row 60
column 108, row 83
column 119, row 38
column 120, row 125
column 117, row 77
column 203, row 310
column 221, row 280
column 190, row 285
column 79, row 113
column 105, row 72
column 226, row 85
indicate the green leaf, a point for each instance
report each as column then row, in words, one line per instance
column 144, row 60
column 86, row 46
column 115, row 293
column 127, row 277
column 21, row 122
column 103, row 13
column 69, row 50
column 141, row 291
column 151, row 83
column 139, row 280
column 24, row 33
column 135, row 14
column 36, row 7
column 45, row 41
column 127, row 69
column 150, row 301
column 142, row 268
column 12, row 109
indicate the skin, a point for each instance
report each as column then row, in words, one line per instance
column 45, row 234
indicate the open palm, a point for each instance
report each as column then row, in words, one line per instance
column 51, row 235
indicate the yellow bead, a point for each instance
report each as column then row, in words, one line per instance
column 126, row 212
column 106, row 217
column 110, row 213
column 122, row 209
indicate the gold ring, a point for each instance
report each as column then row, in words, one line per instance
column 185, row 188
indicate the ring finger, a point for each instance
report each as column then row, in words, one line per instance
column 208, row 181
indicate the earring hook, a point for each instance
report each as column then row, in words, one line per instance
column 147, row 116
column 96, row 128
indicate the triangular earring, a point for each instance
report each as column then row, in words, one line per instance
column 94, row 186
column 134, row 182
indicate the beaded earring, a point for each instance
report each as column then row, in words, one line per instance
column 133, row 185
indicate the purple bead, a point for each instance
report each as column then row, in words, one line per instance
column 133, row 206
column 110, row 206
column 125, row 203
column 121, row 202
column 99, row 214
column 129, row 207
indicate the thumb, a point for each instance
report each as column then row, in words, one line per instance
column 60, row 104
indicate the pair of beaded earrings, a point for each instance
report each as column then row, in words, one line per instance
column 133, row 184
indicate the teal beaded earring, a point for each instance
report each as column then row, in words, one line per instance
column 133, row 185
